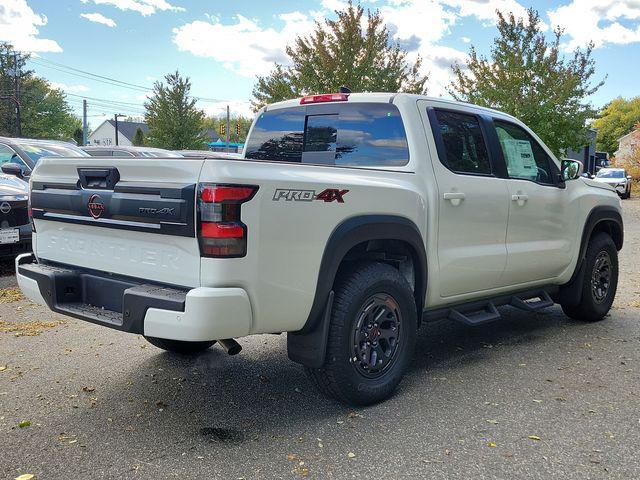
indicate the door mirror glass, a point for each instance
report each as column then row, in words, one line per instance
column 629, row 177
column 571, row 169
column 12, row 169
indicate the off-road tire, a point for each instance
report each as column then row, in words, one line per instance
column 342, row 378
column 178, row 346
column 590, row 308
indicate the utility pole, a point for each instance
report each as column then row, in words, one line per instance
column 116, row 118
column 84, row 122
column 16, row 93
column 228, row 128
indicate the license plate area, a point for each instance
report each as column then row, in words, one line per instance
column 9, row 235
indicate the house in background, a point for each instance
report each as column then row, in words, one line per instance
column 627, row 146
column 105, row 134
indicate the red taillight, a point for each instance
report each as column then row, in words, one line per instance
column 221, row 233
column 325, row 97
column 225, row 193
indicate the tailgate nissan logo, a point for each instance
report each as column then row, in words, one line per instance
column 5, row 207
column 96, row 206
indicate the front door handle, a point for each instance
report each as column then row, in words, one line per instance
column 454, row 197
column 521, row 198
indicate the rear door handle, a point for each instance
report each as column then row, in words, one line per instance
column 454, row 197
column 521, row 198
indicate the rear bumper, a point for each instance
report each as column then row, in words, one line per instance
column 131, row 305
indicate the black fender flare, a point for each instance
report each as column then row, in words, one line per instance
column 308, row 345
column 571, row 292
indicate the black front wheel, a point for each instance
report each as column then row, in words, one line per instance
column 179, row 346
column 600, row 280
column 371, row 336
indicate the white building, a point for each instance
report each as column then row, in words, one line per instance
column 105, row 134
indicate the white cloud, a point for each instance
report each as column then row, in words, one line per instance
column 598, row 21
column 248, row 48
column 466, row 39
column 98, row 18
column 19, row 26
column 244, row 46
column 69, row 88
column 143, row 7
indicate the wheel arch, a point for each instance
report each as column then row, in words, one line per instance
column 602, row 218
column 308, row 345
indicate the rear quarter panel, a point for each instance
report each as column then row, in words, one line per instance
column 287, row 238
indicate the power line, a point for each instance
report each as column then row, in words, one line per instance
column 104, row 79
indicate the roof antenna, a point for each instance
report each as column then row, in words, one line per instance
column 344, row 89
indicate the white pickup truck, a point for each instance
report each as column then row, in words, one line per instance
column 351, row 219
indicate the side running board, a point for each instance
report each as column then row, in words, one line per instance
column 486, row 311
column 531, row 303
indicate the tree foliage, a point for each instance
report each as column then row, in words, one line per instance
column 213, row 123
column 341, row 52
column 527, row 76
column 138, row 138
column 45, row 111
column 615, row 120
column 174, row 121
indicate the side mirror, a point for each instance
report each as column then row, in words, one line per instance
column 12, row 169
column 571, row 169
column 629, row 177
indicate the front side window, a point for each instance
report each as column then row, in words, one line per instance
column 356, row 134
column 465, row 150
column 525, row 158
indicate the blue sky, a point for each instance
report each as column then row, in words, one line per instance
column 223, row 46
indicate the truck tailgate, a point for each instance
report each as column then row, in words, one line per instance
column 130, row 216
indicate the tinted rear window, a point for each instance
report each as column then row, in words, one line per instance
column 356, row 134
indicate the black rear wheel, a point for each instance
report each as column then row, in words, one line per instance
column 371, row 335
column 600, row 280
column 178, row 346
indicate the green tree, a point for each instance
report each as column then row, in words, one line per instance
column 213, row 123
column 342, row 52
column 9, row 63
column 615, row 120
column 138, row 138
column 78, row 136
column 527, row 76
column 45, row 111
column 174, row 121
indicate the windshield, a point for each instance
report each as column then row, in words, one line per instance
column 37, row 150
column 610, row 174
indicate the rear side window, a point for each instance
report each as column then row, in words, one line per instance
column 465, row 150
column 356, row 134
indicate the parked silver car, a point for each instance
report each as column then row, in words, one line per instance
column 617, row 178
column 18, row 156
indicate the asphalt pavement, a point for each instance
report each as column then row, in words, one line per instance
column 534, row 395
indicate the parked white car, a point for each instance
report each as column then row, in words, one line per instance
column 350, row 219
column 617, row 178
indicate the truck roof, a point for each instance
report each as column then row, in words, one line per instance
column 385, row 97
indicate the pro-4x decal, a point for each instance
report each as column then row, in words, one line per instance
column 292, row 195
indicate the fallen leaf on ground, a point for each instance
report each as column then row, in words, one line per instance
column 12, row 294
column 353, row 415
column 534, row 437
column 351, row 455
column 24, row 423
column 26, row 476
column 492, row 422
column 88, row 389
column 27, row 329
column 492, row 444
column 3, row 368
